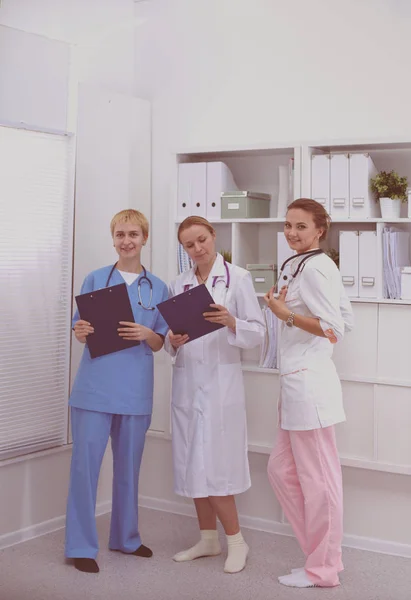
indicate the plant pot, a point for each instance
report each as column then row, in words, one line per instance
column 390, row 209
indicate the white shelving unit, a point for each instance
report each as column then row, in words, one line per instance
column 373, row 360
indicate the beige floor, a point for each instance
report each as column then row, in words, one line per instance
column 36, row 570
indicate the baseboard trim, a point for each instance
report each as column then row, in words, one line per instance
column 187, row 510
column 28, row 533
column 268, row 526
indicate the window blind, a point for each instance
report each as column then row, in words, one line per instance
column 36, row 224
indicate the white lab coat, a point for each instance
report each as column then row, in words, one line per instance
column 310, row 389
column 209, row 429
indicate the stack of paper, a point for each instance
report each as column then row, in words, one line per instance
column 268, row 357
column 285, row 188
column 184, row 261
column 396, row 254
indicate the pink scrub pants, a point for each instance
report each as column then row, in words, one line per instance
column 305, row 473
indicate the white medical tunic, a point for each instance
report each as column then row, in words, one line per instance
column 310, row 389
column 209, row 429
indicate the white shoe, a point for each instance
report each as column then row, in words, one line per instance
column 298, row 580
column 298, row 570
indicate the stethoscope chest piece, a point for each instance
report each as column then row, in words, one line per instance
column 216, row 279
column 142, row 279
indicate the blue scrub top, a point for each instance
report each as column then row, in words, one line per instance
column 122, row 382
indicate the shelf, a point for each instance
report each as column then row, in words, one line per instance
column 373, row 465
column 213, row 152
column 373, row 220
column 254, row 368
column 380, row 301
column 282, row 220
column 349, row 461
column 361, row 145
column 229, row 221
column 346, row 461
column 365, row 300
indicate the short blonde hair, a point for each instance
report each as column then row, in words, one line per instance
column 130, row 216
column 194, row 220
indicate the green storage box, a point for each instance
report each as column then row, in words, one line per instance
column 245, row 205
column 263, row 276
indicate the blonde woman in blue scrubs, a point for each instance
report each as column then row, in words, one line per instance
column 112, row 397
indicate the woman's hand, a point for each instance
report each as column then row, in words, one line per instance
column 220, row 316
column 278, row 305
column 178, row 339
column 134, row 331
column 82, row 329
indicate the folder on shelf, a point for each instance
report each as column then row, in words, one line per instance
column 291, row 166
column 184, row 262
column 362, row 201
column 192, row 189
column 396, row 255
column 367, row 264
column 388, row 286
column 184, row 313
column 349, row 255
column 219, row 180
column 268, row 355
column 339, row 186
column 283, row 190
column 104, row 309
column 320, row 179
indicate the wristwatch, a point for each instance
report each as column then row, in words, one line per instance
column 290, row 321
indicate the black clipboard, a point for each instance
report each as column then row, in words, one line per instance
column 104, row 309
column 184, row 313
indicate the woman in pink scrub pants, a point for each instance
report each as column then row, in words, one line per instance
column 304, row 468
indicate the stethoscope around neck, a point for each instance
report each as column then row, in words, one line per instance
column 215, row 279
column 306, row 256
column 141, row 280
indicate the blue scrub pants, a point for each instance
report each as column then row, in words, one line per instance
column 91, row 431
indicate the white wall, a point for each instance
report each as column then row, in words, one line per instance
column 236, row 72
column 220, row 73
column 47, row 48
column 269, row 71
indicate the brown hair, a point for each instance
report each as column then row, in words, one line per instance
column 129, row 215
column 194, row 220
column 320, row 216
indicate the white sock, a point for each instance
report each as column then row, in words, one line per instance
column 209, row 545
column 237, row 553
column 298, row 580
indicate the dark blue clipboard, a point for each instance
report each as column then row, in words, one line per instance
column 184, row 313
column 104, row 309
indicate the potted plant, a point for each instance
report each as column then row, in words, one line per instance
column 334, row 255
column 390, row 189
column 226, row 254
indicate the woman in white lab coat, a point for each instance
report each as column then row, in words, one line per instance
column 304, row 469
column 209, row 429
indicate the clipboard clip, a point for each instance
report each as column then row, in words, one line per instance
column 110, row 290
